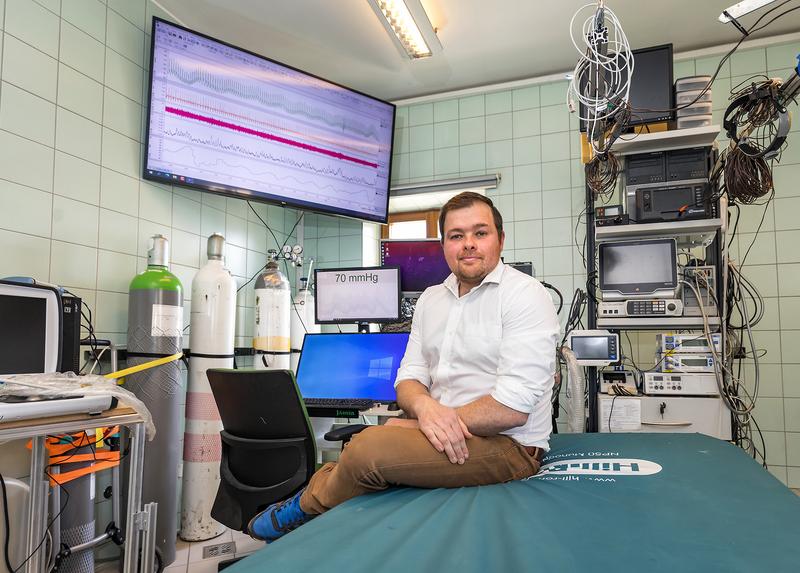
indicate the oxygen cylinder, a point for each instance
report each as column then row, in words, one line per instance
column 303, row 320
column 155, row 329
column 272, row 338
column 213, row 317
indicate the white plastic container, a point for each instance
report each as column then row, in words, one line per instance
column 696, row 109
column 682, row 98
column 691, row 83
column 694, row 121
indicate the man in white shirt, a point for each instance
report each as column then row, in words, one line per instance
column 475, row 382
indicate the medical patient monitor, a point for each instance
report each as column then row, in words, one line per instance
column 350, row 365
column 594, row 347
column 357, row 295
column 639, row 269
column 422, row 263
column 30, row 329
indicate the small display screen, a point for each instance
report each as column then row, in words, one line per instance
column 23, row 328
column 369, row 294
column 421, row 263
column 694, row 361
column 351, row 365
column 591, row 348
column 638, row 267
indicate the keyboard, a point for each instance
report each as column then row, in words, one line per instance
column 340, row 403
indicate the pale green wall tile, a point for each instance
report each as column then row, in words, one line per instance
column 445, row 134
column 328, row 250
column 53, row 5
column 76, row 178
column 121, row 153
column 792, row 448
column 125, row 38
column 123, row 76
column 401, row 137
column 400, row 116
column 527, row 206
column 116, row 270
column 790, row 313
column 554, row 118
column 792, row 406
column 556, row 175
column 787, row 246
column 765, row 279
column 472, row 106
column 421, row 164
column 557, row 232
column 27, row 115
column 526, row 122
column 33, row 24
column 82, row 52
column 218, row 202
column 26, row 162
column 791, row 380
column 112, row 312
column 527, row 178
column 554, row 94
column 527, row 150
column 77, row 135
column 119, row 192
column 118, row 232
column 24, row 255
column 782, row 55
column 505, row 204
column 769, row 413
column 74, row 221
column 446, row 161
column 555, row 146
column 762, row 251
column 400, row 167
column 499, row 154
column 132, row 10
column 445, row 110
column 421, row 137
column 748, row 62
column 88, row 15
column 787, row 181
column 29, row 69
column 506, row 184
column 186, row 215
column 498, row 127
column 155, row 203
column 185, row 248
column 24, row 209
column 556, row 203
column 751, row 217
column 212, row 221
column 79, row 93
column 525, row 98
column 499, row 102
column 235, row 230
column 528, row 234
column 122, row 114
column 775, row 446
column 420, row 114
column 707, row 66
column 73, row 265
column 350, row 248
column 471, row 130
column 256, row 239
column 472, row 157
column 682, row 69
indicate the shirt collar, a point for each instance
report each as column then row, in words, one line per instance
column 451, row 282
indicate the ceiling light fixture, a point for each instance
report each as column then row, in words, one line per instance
column 409, row 26
column 742, row 9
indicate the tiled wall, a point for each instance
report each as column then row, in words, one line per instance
column 529, row 138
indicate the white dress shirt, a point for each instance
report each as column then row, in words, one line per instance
column 498, row 339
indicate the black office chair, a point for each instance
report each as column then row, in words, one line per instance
column 268, row 446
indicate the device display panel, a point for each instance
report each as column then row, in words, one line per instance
column 638, row 267
column 361, row 294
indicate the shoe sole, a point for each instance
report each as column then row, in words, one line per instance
column 250, row 527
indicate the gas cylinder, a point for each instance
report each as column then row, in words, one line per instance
column 155, row 329
column 303, row 319
column 272, row 337
column 212, row 320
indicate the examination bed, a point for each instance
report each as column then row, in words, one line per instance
column 604, row 502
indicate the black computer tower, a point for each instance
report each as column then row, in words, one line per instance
column 70, row 334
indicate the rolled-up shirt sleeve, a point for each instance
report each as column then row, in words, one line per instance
column 527, row 348
column 414, row 365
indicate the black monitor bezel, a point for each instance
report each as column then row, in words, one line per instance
column 637, row 289
column 384, row 320
column 249, row 194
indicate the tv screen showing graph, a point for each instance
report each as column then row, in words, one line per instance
column 228, row 121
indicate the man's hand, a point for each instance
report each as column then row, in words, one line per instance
column 444, row 429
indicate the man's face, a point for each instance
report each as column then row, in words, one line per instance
column 472, row 245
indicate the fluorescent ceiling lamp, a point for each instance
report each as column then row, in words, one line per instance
column 433, row 194
column 742, row 9
column 409, row 26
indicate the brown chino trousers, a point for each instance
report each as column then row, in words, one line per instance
column 383, row 456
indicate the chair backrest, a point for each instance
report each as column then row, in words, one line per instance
column 268, row 445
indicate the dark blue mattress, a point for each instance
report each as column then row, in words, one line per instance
column 604, row 502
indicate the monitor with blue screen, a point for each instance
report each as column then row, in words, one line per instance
column 349, row 365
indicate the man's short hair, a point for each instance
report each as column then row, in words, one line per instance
column 467, row 199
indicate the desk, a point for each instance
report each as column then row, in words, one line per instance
column 138, row 530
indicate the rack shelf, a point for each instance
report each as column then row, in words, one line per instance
column 658, row 323
column 694, row 233
column 666, row 140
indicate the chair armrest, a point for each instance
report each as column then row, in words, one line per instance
column 344, row 433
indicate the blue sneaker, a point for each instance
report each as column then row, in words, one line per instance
column 278, row 519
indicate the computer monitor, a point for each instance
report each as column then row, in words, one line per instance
column 638, row 269
column 523, row 267
column 30, row 328
column 357, row 295
column 422, row 263
column 349, row 365
column 228, row 121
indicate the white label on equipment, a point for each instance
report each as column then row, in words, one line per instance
column 626, row 416
column 167, row 320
